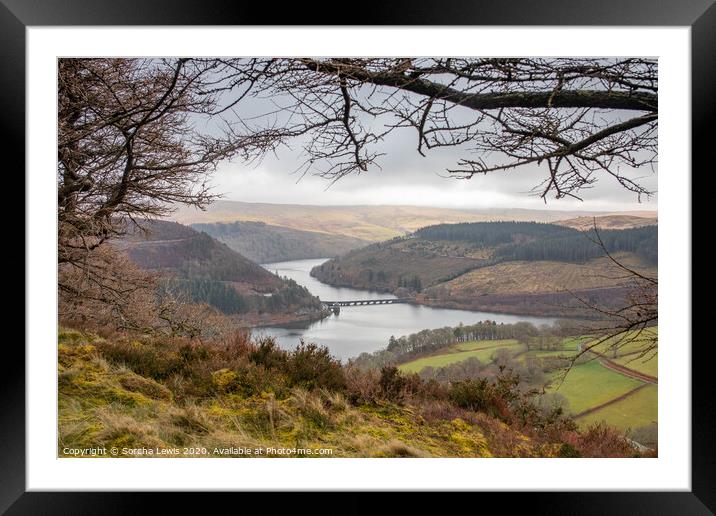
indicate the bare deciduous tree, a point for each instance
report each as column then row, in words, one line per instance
column 128, row 148
column 625, row 324
column 130, row 144
column 578, row 117
column 581, row 118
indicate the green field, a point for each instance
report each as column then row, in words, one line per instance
column 473, row 345
column 538, row 353
column 628, row 354
column 644, row 365
column 569, row 348
column 572, row 343
column 638, row 409
column 483, row 350
column 585, row 386
column 591, row 384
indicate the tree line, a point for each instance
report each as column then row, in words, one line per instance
column 425, row 342
column 533, row 241
column 490, row 234
column 583, row 246
column 228, row 300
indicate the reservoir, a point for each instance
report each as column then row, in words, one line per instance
column 359, row 329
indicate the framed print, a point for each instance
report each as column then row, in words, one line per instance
column 418, row 251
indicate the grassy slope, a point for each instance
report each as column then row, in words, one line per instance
column 586, row 385
column 572, row 343
column 590, row 384
column 638, row 409
column 107, row 405
column 629, row 353
column 608, row 222
column 482, row 350
column 644, row 365
column 540, row 276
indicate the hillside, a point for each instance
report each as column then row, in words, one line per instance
column 371, row 223
column 615, row 384
column 188, row 254
column 513, row 267
column 264, row 243
column 608, row 222
column 207, row 271
column 539, row 287
column 167, row 398
column 542, row 276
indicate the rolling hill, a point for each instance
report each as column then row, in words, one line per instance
column 371, row 223
column 541, row 276
column 196, row 265
column 608, row 222
column 264, row 243
column 513, row 267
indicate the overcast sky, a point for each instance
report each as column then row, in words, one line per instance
column 407, row 178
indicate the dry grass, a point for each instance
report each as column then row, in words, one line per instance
column 103, row 403
column 541, row 276
column 108, row 405
column 372, row 223
column 609, row 222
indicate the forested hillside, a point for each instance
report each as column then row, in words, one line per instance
column 534, row 241
column 195, row 265
column 264, row 243
column 518, row 267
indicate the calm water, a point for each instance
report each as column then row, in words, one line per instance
column 367, row 328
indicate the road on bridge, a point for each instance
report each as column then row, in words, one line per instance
column 365, row 302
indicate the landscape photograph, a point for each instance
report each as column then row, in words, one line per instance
column 327, row 257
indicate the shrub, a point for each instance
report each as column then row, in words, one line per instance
column 395, row 386
column 566, row 450
column 443, row 410
column 156, row 360
column 432, row 390
column 473, row 394
column 254, row 379
column 481, row 396
column 237, row 343
column 310, row 367
column 224, row 379
column 361, row 385
column 268, row 354
column 601, row 440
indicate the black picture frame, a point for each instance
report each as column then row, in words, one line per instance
column 16, row 15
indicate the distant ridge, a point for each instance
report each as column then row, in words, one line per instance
column 372, row 223
column 608, row 222
column 265, row 243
